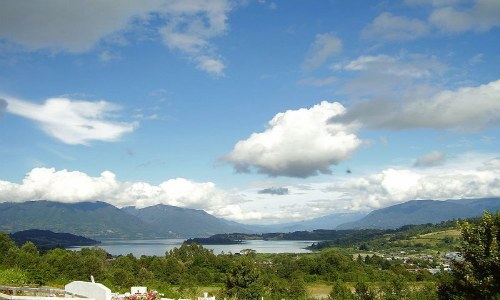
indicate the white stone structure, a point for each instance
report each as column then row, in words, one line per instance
column 92, row 290
column 205, row 297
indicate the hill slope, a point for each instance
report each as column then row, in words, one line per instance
column 46, row 239
column 89, row 219
column 422, row 212
column 185, row 222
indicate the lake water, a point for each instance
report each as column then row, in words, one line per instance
column 158, row 247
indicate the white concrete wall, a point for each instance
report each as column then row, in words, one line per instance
column 93, row 290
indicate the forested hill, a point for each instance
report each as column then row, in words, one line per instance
column 424, row 211
column 101, row 220
column 90, row 219
column 46, row 239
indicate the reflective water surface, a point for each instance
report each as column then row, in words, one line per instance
column 158, row 247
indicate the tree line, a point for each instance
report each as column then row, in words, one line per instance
column 248, row 275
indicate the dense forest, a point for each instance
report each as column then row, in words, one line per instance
column 354, row 272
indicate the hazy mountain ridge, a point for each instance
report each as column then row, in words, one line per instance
column 325, row 222
column 185, row 222
column 423, row 211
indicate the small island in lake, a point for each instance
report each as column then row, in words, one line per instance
column 218, row 239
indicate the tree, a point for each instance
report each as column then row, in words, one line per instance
column 364, row 292
column 477, row 276
column 6, row 243
column 340, row 291
column 243, row 281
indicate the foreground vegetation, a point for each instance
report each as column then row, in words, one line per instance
column 392, row 265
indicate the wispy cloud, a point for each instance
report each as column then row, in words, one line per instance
column 191, row 25
column 387, row 27
column 73, row 121
column 431, row 159
column 324, row 46
column 376, row 75
column 319, row 82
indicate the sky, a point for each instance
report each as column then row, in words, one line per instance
column 255, row 111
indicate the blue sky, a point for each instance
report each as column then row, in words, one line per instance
column 255, row 111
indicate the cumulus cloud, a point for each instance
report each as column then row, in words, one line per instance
column 388, row 27
column 297, row 143
column 481, row 16
column 324, row 46
column 463, row 176
column 274, row 191
column 77, row 27
column 73, row 121
column 74, row 186
column 431, row 159
column 467, row 108
column 399, row 185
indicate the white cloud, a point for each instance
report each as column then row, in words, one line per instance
column 464, row 176
column 467, row 108
column 65, row 186
column 78, row 27
column 482, row 16
column 74, row 186
column 324, row 46
column 388, row 27
column 431, row 159
column 73, row 121
column 297, row 143
column 399, row 185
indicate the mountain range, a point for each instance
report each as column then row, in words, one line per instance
column 100, row 220
column 422, row 212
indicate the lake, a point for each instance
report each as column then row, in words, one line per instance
column 158, row 247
